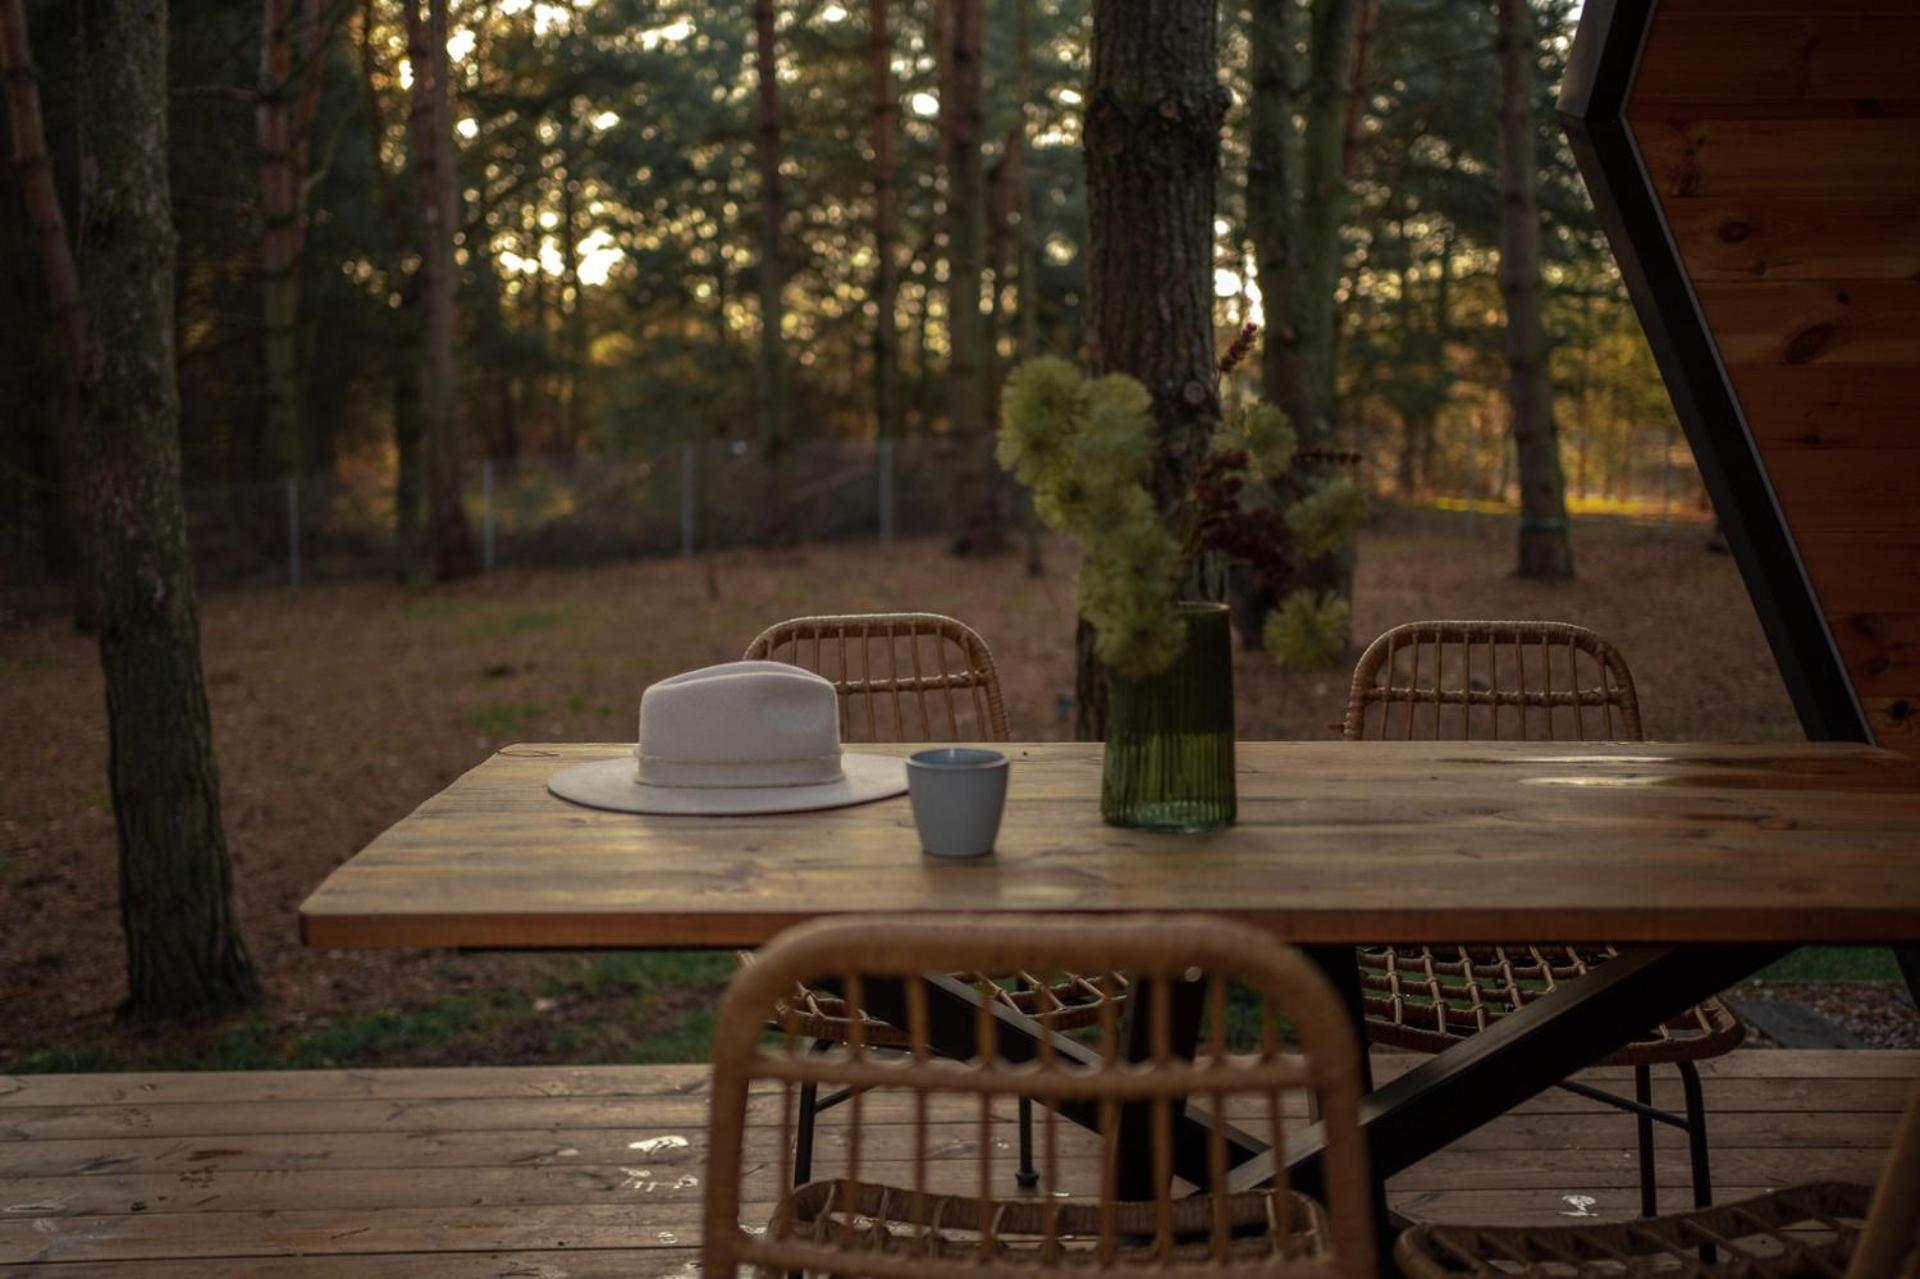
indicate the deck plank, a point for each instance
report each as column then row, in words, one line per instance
column 563, row 1172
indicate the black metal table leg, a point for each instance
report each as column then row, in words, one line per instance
column 1186, row 1002
column 1521, row 1055
column 1341, row 964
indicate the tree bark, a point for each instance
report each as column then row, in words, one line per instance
column 282, row 120
column 776, row 439
column 449, row 538
column 1153, row 156
column 977, row 526
column 184, row 950
column 886, row 276
column 1545, row 551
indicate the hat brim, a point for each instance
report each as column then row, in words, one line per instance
column 610, row 784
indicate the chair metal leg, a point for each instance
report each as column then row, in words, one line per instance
column 1697, row 1148
column 1697, row 1135
column 1025, row 1174
column 1649, row 1189
column 803, row 1124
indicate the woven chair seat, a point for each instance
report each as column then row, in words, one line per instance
column 1062, row 1233
column 1429, row 998
column 1806, row 1231
column 1068, row 1002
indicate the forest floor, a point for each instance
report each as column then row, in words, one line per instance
column 338, row 708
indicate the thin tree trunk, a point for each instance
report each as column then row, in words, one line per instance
column 35, row 169
column 404, row 349
column 1545, row 551
column 1026, row 248
column 776, row 441
column 886, row 279
column 1322, row 204
column 184, row 950
column 449, row 538
column 573, row 300
column 977, row 527
column 65, row 524
column 1357, row 87
column 278, row 269
column 1153, row 157
column 1272, row 212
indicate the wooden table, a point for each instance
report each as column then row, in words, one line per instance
column 1337, row 843
column 1713, row 859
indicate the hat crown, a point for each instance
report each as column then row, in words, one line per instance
column 740, row 724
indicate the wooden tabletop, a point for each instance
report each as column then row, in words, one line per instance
column 1337, row 842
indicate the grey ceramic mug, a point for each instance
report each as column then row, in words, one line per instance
column 958, row 794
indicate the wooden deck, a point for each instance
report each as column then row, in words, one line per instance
column 573, row 1172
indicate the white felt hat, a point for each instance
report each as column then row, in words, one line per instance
column 743, row 737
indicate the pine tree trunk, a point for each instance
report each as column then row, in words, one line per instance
column 278, row 269
column 977, row 526
column 66, row 526
column 1272, row 214
column 1153, row 157
column 1027, row 251
column 886, row 277
column 184, row 950
column 1545, row 551
column 1322, row 204
column 573, row 302
column 449, row 538
column 776, row 440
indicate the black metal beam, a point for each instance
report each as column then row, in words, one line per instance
column 1593, row 111
column 952, row 1012
column 1519, row 1056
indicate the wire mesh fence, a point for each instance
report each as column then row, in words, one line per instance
column 586, row 509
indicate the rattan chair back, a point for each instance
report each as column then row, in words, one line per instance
column 1488, row 681
column 902, row 677
column 895, row 1210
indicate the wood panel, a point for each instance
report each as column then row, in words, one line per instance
column 1814, row 321
column 1783, row 144
column 1336, row 842
column 403, row 1185
column 1810, row 63
column 1772, row 237
column 1827, row 406
column 1709, row 156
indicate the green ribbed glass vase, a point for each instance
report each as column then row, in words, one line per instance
column 1169, row 757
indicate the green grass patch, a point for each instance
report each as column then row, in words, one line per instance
column 1835, row 963
column 622, row 1007
column 496, row 719
column 430, row 609
column 526, row 622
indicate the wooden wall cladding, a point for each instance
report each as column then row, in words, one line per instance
column 1782, row 144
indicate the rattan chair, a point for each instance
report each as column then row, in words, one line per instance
column 902, row 677
column 915, row 1197
column 1523, row 681
column 914, row 677
column 1826, row 1229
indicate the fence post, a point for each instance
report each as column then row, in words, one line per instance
column 687, row 476
column 1473, row 472
column 486, row 515
column 885, row 469
column 293, row 532
column 1666, row 483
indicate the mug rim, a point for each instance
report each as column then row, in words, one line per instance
column 957, row 759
